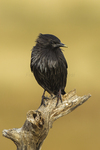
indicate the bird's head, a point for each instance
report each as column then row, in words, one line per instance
column 49, row 40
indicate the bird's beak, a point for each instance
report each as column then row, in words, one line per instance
column 60, row 45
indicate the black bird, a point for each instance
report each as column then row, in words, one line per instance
column 49, row 65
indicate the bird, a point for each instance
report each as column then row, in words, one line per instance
column 49, row 65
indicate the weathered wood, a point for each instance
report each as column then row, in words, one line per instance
column 36, row 127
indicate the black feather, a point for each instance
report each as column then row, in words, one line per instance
column 48, row 64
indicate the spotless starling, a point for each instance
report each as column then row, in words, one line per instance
column 49, row 65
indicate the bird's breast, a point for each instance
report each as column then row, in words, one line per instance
column 47, row 62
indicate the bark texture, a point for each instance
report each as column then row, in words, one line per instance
column 36, row 127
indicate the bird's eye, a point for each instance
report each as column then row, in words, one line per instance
column 53, row 42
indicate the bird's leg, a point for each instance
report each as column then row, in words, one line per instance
column 59, row 97
column 42, row 101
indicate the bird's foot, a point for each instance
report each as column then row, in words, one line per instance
column 43, row 100
column 59, row 97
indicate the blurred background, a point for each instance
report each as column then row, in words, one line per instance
column 77, row 24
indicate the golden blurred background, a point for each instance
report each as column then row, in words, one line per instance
column 77, row 24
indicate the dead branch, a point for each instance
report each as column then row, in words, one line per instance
column 36, row 127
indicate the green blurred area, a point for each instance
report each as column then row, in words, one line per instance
column 77, row 24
